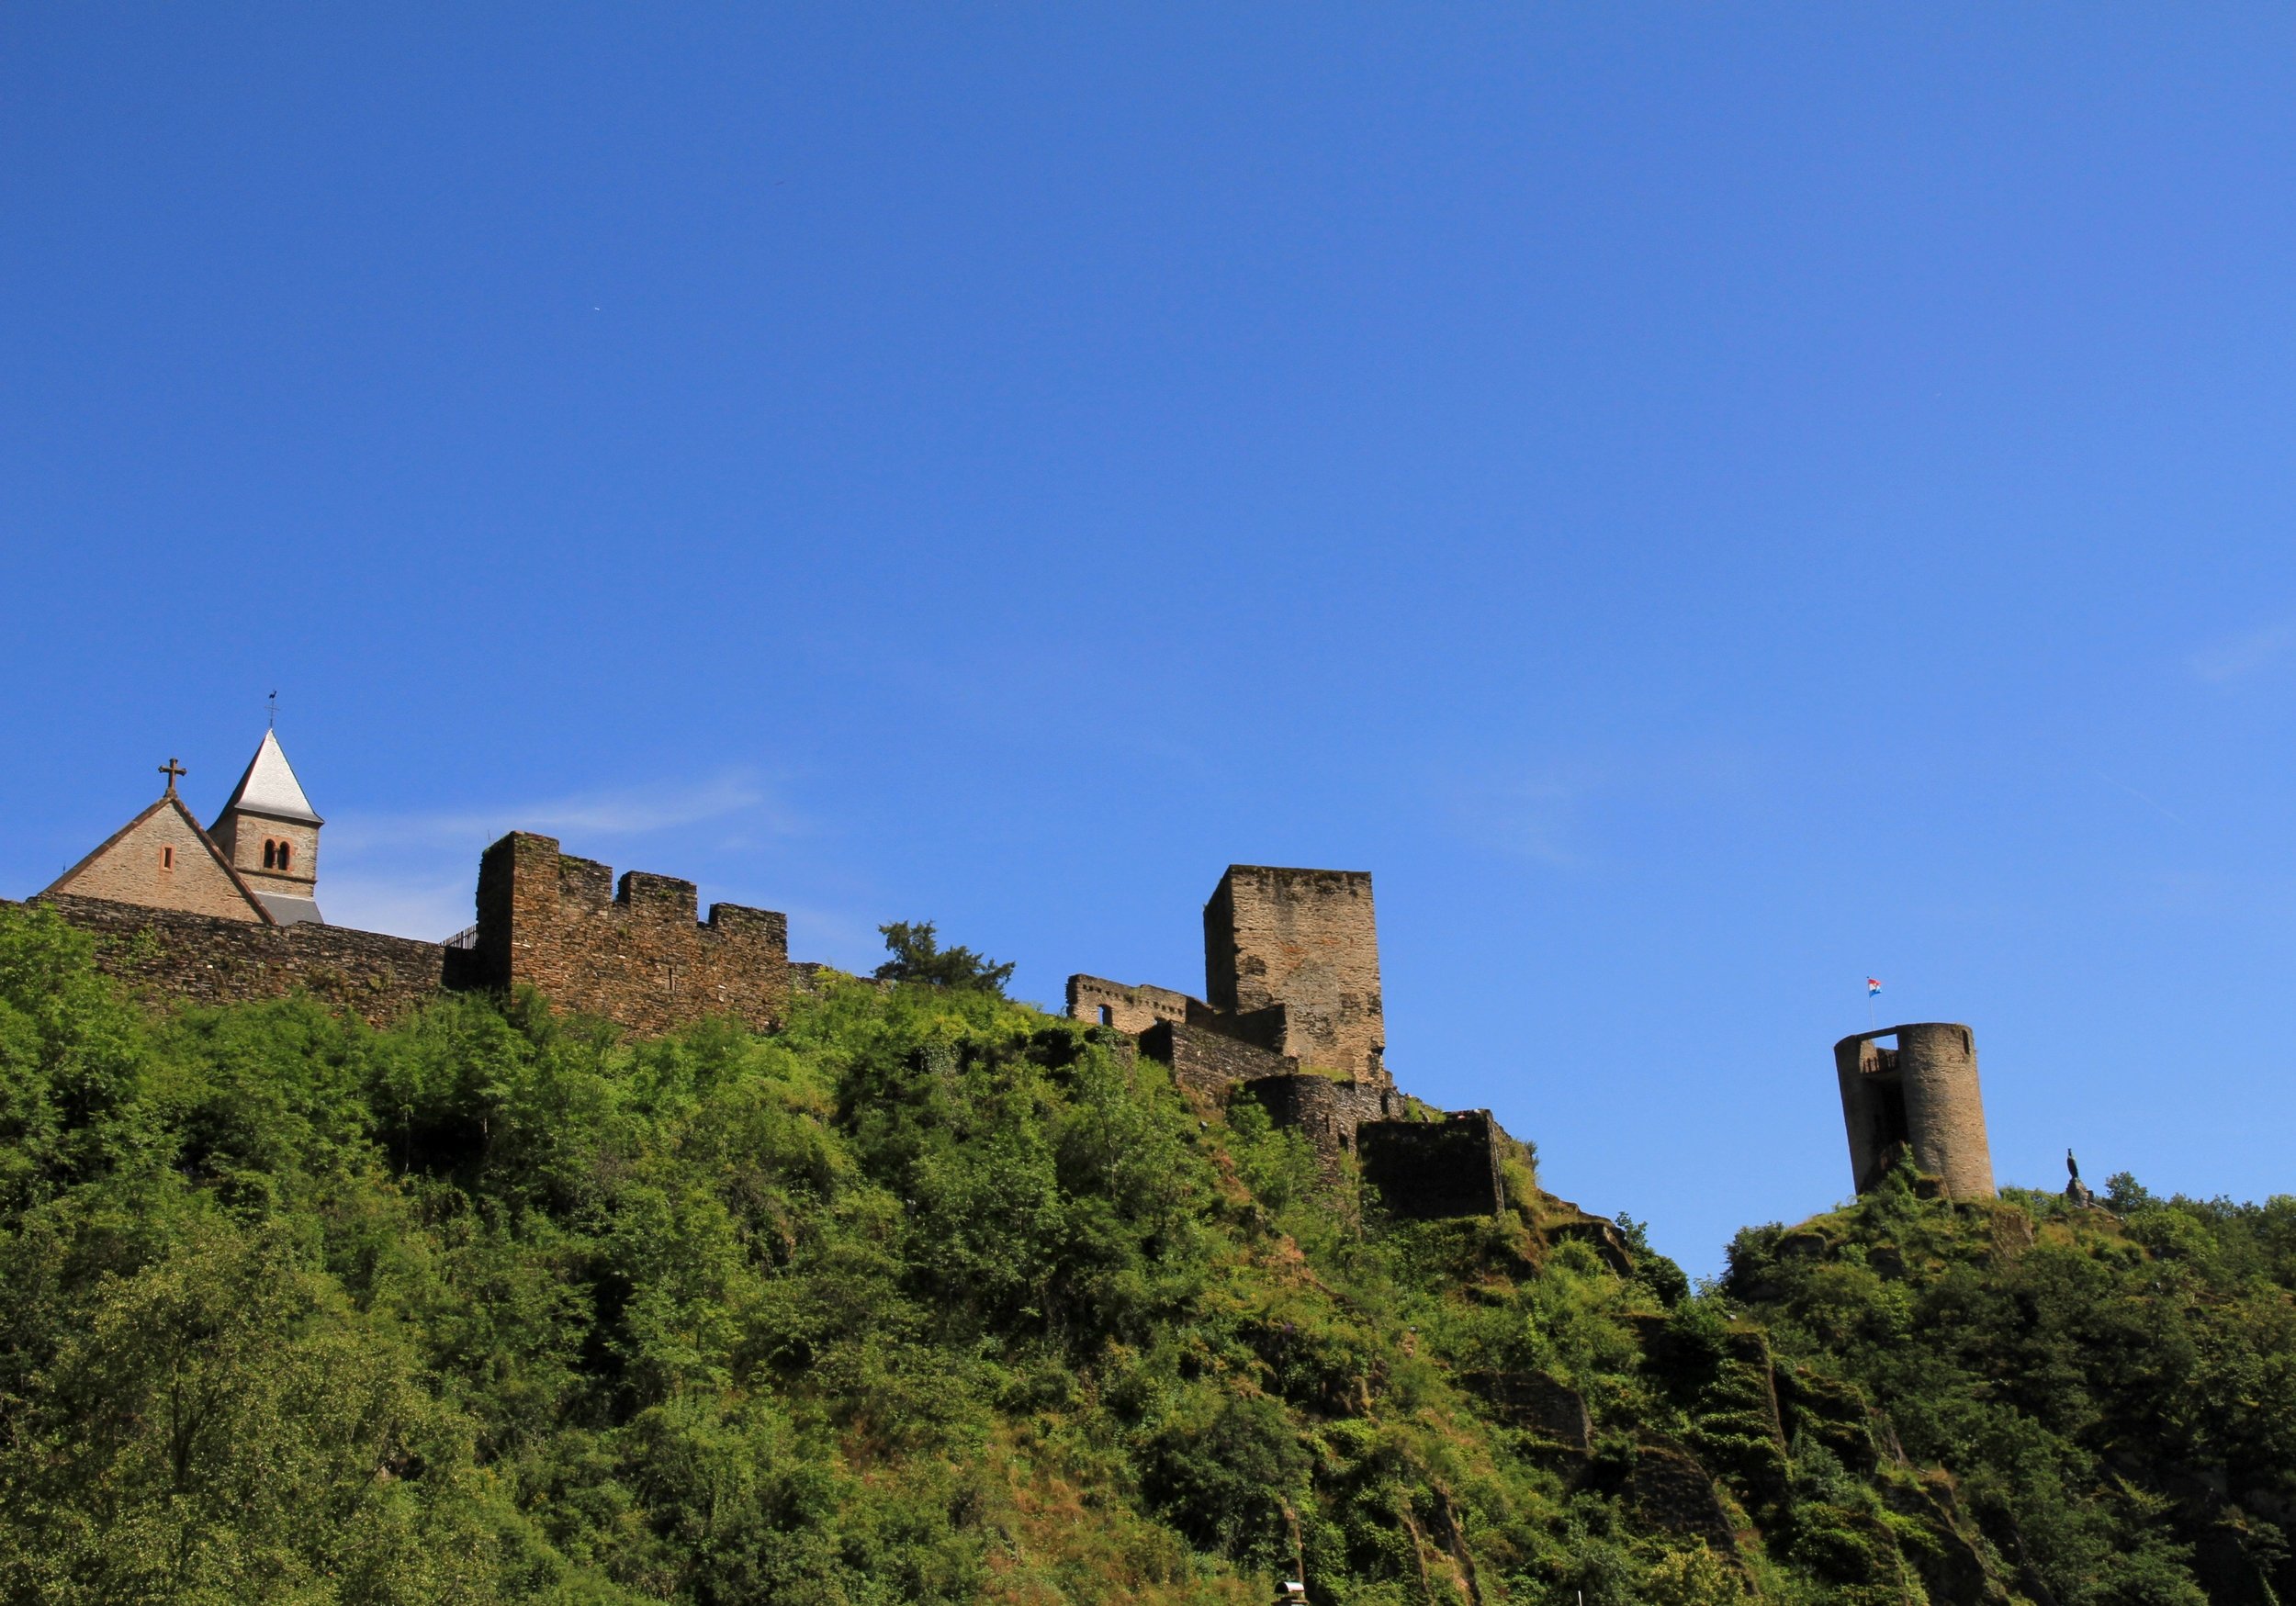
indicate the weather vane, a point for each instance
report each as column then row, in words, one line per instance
column 273, row 701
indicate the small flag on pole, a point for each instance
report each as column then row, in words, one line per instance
column 1873, row 985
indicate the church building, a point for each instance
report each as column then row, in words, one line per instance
column 258, row 862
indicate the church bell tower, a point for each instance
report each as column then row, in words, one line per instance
column 270, row 833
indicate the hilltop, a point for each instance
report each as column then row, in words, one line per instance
column 925, row 1296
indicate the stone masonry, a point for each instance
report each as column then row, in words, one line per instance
column 1209, row 1062
column 1127, row 1009
column 1304, row 940
column 162, row 859
column 1919, row 1093
column 160, row 954
column 1329, row 1114
column 1291, row 959
column 634, row 954
column 1431, row 1169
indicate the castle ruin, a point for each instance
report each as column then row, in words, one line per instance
column 1918, row 1092
column 1293, row 1020
column 1292, row 1015
column 229, row 914
column 1302, row 941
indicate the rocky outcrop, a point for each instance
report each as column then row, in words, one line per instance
column 1536, row 1402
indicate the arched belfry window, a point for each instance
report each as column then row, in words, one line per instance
column 287, row 852
column 270, row 855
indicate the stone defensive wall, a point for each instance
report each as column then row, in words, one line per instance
column 1138, row 1007
column 159, row 954
column 1208, row 1062
column 1431, row 1169
column 1127, row 1008
column 634, row 954
column 1328, row 1113
column 1421, row 1169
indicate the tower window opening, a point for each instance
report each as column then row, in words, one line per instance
column 1893, row 1128
column 1107, row 1016
column 270, row 855
column 167, row 858
column 287, row 852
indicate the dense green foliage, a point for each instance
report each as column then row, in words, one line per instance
column 929, row 1297
column 2115, row 1388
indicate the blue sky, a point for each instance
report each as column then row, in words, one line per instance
column 1705, row 504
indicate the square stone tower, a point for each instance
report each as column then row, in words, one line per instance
column 1304, row 940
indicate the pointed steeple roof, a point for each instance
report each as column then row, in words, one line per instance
column 269, row 787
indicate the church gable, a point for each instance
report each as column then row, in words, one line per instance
column 162, row 860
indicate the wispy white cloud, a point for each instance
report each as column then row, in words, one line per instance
column 636, row 811
column 412, row 874
column 1533, row 818
column 1556, row 814
column 2147, row 799
column 2236, row 657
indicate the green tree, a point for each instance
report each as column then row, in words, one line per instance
column 917, row 956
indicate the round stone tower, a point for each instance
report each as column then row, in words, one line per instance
column 1921, row 1090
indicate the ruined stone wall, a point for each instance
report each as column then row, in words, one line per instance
column 1305, row 939
column 1100, row 1002
column 1264, row 1028
column 1923, row 1093
column 1432, row 1169
column 1326, row 1112
column 159, row 954
column 1872, row 1107
column 1209, row 1062
column 636, row 955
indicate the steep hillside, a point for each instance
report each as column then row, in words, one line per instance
column 932, row 1298
column 2105, row 1395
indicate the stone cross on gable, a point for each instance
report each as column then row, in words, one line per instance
column 172, row 770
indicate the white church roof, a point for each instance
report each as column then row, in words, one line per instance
column 269, row 787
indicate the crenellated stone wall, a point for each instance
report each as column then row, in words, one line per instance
column 634, row 954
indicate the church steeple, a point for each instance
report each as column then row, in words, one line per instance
column 270, row 833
